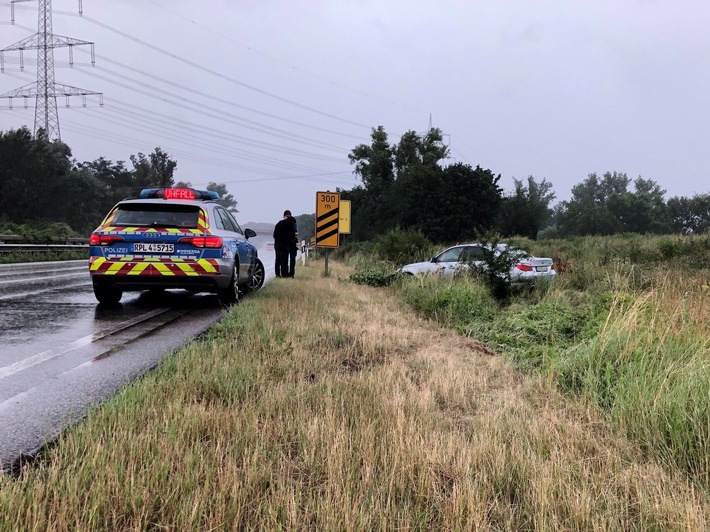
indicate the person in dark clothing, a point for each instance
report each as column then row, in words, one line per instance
column 293, row 249
column 284, row 235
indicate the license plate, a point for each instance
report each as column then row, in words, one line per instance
column 153, row 248
column 541, row 268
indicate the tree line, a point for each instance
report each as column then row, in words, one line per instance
column 40, row 182
column 407, row 185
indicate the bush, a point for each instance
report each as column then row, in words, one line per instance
column 39, row 232
column 378, row 274
column 349, row 249
column 402, row 247
column 548, row 233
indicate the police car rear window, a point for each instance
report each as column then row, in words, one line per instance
column 162, row 215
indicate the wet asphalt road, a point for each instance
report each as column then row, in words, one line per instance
column 61, row 352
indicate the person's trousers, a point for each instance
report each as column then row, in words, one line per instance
column 281, row 265
column 292, row 262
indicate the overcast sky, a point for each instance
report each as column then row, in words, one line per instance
column 270, row 96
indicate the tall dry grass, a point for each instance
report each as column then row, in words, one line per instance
column 323, row 405
column 649, row 368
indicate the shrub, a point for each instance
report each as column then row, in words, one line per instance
column 39, row 232
column 379, row 274
column 350, row 249
column 402, row 247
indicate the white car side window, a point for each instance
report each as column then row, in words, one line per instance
column 450, row 255
column 472, row 254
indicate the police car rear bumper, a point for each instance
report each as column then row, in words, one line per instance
column 125, row 283
column 132, row 275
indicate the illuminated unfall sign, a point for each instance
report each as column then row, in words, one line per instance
column 327, row 219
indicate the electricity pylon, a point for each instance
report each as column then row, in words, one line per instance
column 45, row 90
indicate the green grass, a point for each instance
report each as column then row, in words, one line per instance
column 649, row 368
column 624, row 328
column 530, row 329
column 321, row 404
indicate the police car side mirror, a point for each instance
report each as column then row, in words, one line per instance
column 248, row 233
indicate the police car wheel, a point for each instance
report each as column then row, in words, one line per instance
column 230, row 295
column 107, row 295
column 257, row 277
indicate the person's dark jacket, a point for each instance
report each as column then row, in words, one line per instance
column 284, row 234
column 294, row 241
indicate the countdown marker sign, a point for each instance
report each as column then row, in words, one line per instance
column 327, row 219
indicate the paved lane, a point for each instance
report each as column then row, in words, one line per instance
column 61, row 352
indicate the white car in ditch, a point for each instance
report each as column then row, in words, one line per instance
column 525, row 269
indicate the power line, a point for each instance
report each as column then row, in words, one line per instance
column 212, row 146
column 152, row 116
column 129, row 141
column 178, row 125
column 221, row 115
column 223, row 76
column 174, row 122
column 231, row 39
column 244, row 122
column 192, row 141
column 227, row 102
column 223, row 148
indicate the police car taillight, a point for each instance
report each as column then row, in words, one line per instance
column 202, row 241
column 103, row 240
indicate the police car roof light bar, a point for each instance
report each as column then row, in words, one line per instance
column 179, row 193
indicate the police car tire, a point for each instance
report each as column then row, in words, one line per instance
column 257, row 278
column 107, row 295
column 230, row 295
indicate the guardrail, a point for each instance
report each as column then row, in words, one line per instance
column 34, row 248
column 19, row 239
column 17, row 243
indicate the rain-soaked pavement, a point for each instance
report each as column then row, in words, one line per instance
column 61, row 352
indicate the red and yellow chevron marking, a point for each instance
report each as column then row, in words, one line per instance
column 119, row 230
column 202, row 226
column 109, row 218
column 153, row 266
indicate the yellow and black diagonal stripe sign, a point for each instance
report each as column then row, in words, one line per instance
column 327, row 219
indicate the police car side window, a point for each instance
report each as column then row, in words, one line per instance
column 234, row 221
column 226, row 222
column 218, row 220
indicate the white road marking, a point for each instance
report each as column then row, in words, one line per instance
column 86, row 340
column 44, row 290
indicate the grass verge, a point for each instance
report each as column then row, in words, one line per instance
column 640, row 356
column 321, row 404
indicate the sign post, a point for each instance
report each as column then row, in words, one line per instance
column 327, row 222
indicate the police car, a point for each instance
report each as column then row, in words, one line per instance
column 173, row 238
